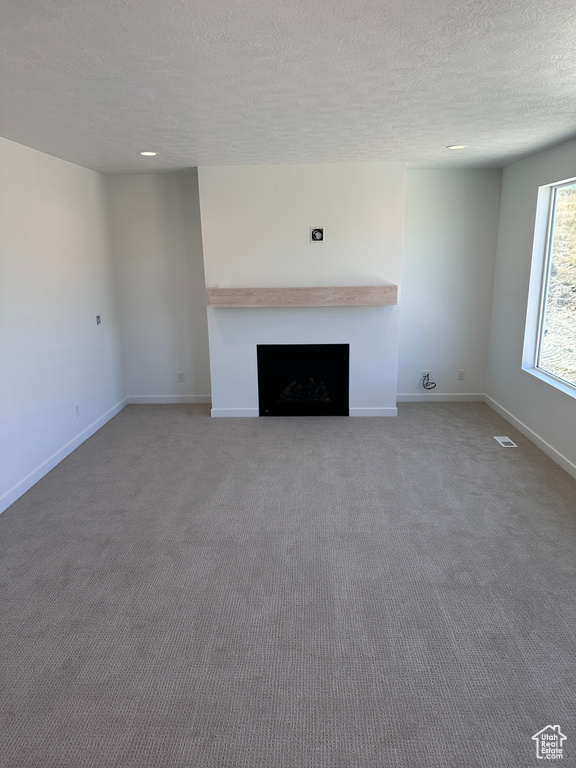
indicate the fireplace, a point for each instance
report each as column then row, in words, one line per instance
column 303, row 379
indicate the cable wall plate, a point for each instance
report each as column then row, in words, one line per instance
column 505, row 441
column 317, row 234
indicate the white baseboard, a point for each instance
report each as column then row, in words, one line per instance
column 234, row 412
column 168, row 399
column 555, row 455
column 24, row 485
column 430, row 397
column 242, row 412
column 373, row 412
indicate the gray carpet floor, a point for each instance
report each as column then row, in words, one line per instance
column 290, row 593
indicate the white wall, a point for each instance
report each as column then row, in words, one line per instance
column 157, row 246
column 542, row 412
column 451, row 229
column 256, row 228
column 55, row 277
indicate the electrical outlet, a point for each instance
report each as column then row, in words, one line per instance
column 77, row 410
column 98, row 319
column 461, row 375
column 180, row 377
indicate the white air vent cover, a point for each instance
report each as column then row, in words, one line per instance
column 505, row 441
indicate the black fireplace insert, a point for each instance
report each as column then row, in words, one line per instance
column 303, row 379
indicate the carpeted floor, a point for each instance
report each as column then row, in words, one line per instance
column 187, row 592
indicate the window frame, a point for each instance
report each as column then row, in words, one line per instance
column 539, row 284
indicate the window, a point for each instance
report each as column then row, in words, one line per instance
column 555, row 348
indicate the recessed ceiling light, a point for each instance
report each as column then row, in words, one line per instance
column 457, row 146
column 148, row 154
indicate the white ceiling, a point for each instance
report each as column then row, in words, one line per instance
column 219, row 82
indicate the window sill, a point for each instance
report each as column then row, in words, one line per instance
column 553, row 381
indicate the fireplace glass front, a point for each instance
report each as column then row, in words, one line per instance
column 303, row 379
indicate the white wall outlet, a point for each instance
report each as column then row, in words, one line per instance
column 180, row 377
column 77, row 410
column 461, row 374
column 317, row 234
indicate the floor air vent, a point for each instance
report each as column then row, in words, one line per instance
column 505, row 441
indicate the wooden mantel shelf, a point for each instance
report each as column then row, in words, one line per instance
column 339, row 296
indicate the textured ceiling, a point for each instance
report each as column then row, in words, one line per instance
column 218, row 82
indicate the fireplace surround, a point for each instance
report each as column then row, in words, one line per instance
column 267, row 284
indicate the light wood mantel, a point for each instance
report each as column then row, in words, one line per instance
column 337, row 296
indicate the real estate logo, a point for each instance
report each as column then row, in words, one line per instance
column 549, row 743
